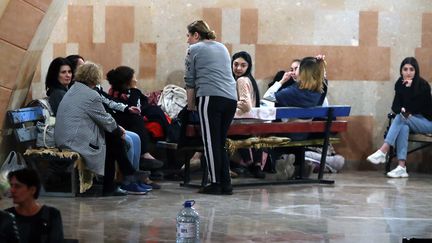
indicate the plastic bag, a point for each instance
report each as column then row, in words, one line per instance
column 14, row 161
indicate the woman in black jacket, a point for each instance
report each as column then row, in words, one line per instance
column 36, row 222
column 412, row 105
column 124, row 90
column 58, row 81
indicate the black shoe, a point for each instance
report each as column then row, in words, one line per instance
column 153, row 184
column 156, row 175
column 117, row 192
column 227, row 190
column 257, row 172
column 150, row 164
column 214, row 189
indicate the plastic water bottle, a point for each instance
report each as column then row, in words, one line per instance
column 188, row 224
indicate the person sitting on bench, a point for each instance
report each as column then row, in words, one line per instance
column 80, row 126
column 306, row 92
column 293, row 77
column 57, row 81
column 132, row 139
column 123, row 90
column 248, row 97
column 412, row 105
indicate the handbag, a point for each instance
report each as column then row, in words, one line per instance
column 14, row 161
column 45, row 133
column 177, row 129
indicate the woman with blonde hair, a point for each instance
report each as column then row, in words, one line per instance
column 307, row 91
column 209, row 82
column 84, row 126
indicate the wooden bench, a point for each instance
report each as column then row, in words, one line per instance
column 328, row 126
column 53, row 165
column 419, row 140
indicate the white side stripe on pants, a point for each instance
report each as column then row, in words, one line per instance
column 205, row 129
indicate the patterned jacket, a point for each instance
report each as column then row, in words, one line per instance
column 80, row 123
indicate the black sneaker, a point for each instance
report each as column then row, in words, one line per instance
column 227, row 190
column 214, row 189
column 117, row 192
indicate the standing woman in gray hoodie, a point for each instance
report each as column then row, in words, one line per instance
column 211, row 89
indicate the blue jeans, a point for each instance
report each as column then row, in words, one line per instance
column 400, row 129
column 134, row 151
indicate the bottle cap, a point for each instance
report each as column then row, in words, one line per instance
column 189, row 203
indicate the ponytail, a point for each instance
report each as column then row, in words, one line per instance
column 203, row 29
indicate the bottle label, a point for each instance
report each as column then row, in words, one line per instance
column 186, row 230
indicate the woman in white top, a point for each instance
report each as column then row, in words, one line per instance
column 248, row 97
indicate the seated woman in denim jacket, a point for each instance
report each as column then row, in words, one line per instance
column 307, row 91
column 413, row 105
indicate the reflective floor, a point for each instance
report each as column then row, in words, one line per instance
column 359, row 207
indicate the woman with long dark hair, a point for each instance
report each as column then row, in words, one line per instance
column 412, row 105
column 248, row 97
column 57, row 81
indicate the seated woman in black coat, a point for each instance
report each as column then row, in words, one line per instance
column 57, row 81
column 123, row 90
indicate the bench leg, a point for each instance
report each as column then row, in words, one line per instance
column 300, row 159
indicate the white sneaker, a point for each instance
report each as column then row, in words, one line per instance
column 398, row 172
column 377, row 158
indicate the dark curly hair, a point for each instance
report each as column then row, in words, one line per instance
column 120, row 78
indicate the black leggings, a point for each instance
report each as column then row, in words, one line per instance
column 115, row 151
column 216, row 114
column 135, row 123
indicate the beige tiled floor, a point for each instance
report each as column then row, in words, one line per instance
column 359, row 207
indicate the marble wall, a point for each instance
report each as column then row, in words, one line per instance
column 364, row 42
column 25, row 27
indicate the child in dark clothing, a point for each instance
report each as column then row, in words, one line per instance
column 123, row 90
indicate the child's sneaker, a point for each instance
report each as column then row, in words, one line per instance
column 398, row 172
column 377, row 158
